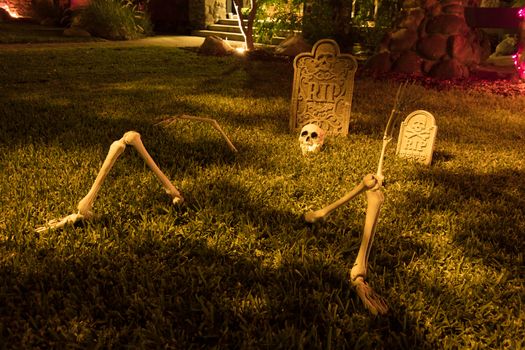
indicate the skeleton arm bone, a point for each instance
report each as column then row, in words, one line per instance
column 372, row 185
column 116, row 149
column 368, row 182
column 86, row 204
column 372, row 301
column 133, row 138
column 210, row 121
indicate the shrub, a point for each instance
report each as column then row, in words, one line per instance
column 278, row 19
column 114, row 20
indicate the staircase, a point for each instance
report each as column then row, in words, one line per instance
column 228, row 29
column 223, row 28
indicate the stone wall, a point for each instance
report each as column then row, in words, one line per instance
column 432, row 39
column 205, row 12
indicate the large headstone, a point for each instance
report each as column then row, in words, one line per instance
column 417, row 136
column 322, row 88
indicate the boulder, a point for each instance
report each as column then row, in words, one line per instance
column 457, row 10
column 428, row 4
column 433, row 46
column 408, row 63
column 447, row 24
column 434, row 39
column 403, row 39
column 507, row 46
column 292, row 46
column 462, row 50
column 379, row 63
column 412, row 19
column 215, row 46
column 449, row 69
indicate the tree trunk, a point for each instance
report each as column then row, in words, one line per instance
column 246, row 29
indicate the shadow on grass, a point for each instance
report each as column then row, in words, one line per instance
column 182, row 293
column 489, row 208
column 73, row 130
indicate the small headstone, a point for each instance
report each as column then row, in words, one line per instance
column 417, row 136
column 322, row 88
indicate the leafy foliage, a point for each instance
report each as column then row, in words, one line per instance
column 276, row 18
column 115, row 19
column 346, row 21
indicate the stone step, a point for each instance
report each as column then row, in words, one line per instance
column 229, row 22
column 224, row 28
column 224, row 35
column 276, row 40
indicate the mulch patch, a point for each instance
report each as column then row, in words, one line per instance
column 508, row 86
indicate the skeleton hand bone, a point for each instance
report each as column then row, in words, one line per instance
column 372, row 301
column 60, row 223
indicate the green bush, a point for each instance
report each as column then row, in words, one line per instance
column 282, row 20
column 115, row 20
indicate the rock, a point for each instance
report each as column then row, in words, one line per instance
column 427, row 4
column 434, row 39
column 461, row 49
column 435, row 11
column 413, row 18
column 379, row 63
column 427, row 65
column 215, row 46
column 433, row 47
column 449, row 69
column 384, row 44
column 403, row 39
column 292, row 46
column 407, row 4
column 457, row 10
column 76, row 32
column 506, row 47
column 452, row 2
column 447, row 24
column 408, row 63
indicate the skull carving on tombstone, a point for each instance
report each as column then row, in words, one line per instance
column 311, row 139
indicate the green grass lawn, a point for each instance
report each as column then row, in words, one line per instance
column 237, row 267
column 19, row 32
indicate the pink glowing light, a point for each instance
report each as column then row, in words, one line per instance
column 519, row 57
column 12, row 13
column 519, row 62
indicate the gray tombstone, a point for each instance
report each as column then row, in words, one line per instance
column 417, row 136
column 322, row 88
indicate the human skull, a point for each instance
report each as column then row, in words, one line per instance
column 418, row 123
column 311, row 139
column 325, row 56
